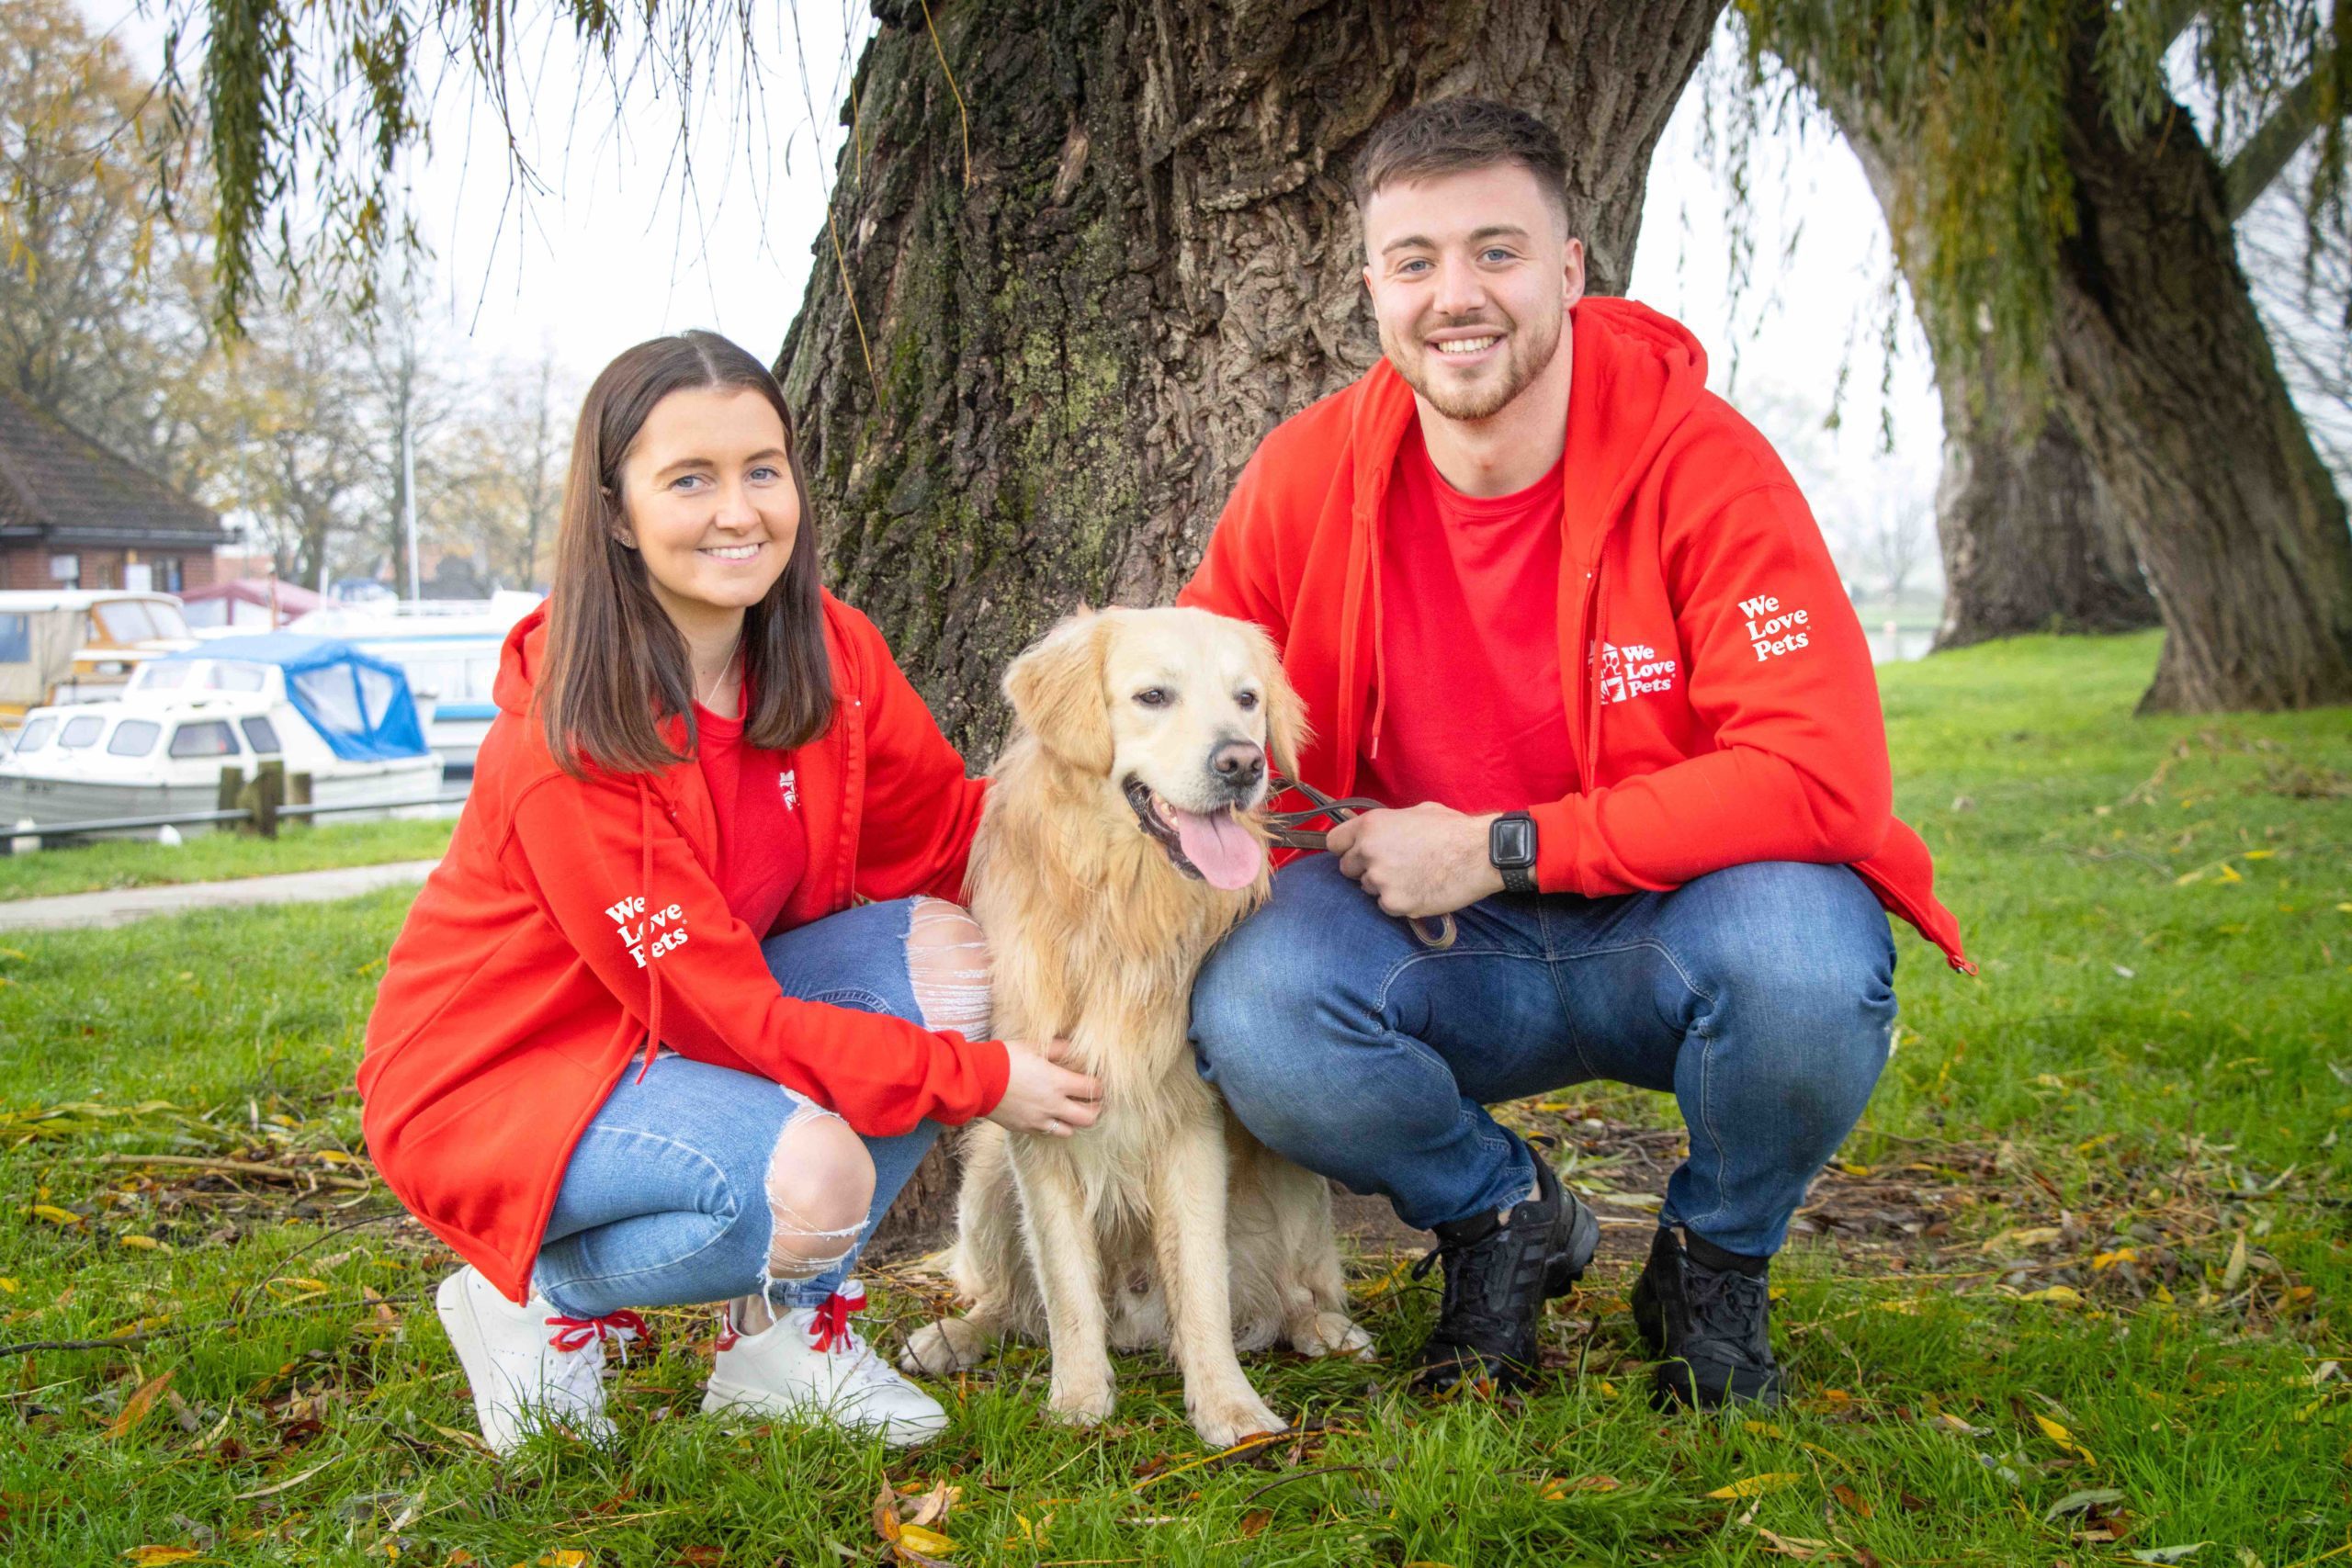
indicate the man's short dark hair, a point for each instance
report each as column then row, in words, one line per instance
column 1453, row 136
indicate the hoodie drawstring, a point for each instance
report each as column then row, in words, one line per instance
column 1379, row 653
column 645, row 884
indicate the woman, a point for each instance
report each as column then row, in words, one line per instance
column 585, row 1070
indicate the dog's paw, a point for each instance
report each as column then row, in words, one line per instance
column 1334, row 1334
column 1086, row 1403
column 944, row 1348
column 1224, row 1419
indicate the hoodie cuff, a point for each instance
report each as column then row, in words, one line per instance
column 992, row 1065
column 1555, row 845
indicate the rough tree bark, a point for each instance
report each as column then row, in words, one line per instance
column 2029, row 535
column 2162, row 367
column 1090, row 253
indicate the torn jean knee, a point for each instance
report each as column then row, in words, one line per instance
column 828, row 1250
column 947, row 965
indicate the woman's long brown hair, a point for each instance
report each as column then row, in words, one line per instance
column 617, row 668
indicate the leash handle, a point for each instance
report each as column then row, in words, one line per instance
column 1282, row 828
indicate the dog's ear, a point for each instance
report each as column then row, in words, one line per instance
column 1286, row 729
column 1056, row 689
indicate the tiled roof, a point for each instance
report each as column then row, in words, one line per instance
column 62, row 488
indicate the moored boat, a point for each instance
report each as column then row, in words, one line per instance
column 320, row 706
column 448, row 649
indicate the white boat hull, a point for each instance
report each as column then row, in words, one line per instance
column 393, row 788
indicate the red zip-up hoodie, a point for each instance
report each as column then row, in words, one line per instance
column 576, row 923
column 1717, row 682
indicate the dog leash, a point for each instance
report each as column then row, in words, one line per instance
column 1284, row 828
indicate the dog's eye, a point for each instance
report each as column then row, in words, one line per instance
column 1154, row 697
column 1245, row 700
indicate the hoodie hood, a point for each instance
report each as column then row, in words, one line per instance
column 520, row 660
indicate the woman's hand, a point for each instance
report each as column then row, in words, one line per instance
column 1042, row 1096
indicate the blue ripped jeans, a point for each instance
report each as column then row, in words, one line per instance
column 665, row 1200
column 1761, row 995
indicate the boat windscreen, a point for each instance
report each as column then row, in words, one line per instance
column 235, row 677
column 80, row 731
column 160, row 675
column 124, row 621
column 35, row 736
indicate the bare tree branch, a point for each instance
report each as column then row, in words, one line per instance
column 2272, row 147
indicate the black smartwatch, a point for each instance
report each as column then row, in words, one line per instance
column 1511, row 847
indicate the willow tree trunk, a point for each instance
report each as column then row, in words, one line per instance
column 2163, row 367
column 1084, row 256
column 2029, row 535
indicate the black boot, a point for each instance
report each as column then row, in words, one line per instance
column 1708, row 1327
column 1499, row 1269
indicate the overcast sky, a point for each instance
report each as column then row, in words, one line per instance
column 616, row 246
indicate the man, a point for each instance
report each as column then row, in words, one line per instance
column 1566, row 614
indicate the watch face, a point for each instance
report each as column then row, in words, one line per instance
column 1511, row 844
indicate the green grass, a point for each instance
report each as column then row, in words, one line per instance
column 210, row 857
column 2090, row 1238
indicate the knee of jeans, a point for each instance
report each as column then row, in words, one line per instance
column 1247, row 1033
column 1788, row 941
column 819, row 1187
column 947, row 965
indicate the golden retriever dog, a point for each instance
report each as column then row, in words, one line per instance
column 1117, row 846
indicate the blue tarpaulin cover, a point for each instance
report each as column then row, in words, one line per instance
column 360, row 704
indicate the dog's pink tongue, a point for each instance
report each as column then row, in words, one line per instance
column 1220, row 848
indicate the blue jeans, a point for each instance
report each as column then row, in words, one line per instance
column 1762, row 996
column 665, row 1200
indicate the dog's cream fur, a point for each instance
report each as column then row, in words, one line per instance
column 1165, row 1223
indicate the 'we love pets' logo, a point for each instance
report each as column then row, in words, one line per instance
column 667, row 926
column 1772, row 631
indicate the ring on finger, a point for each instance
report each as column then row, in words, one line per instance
column 1053, row 1125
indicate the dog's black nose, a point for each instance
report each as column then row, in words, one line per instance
column 1239, row 765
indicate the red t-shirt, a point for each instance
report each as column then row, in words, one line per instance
column 1470, row 590
column 762, row 849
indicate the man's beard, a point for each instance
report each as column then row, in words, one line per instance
column 1526, row 354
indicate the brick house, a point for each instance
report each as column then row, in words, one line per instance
column 73, row 515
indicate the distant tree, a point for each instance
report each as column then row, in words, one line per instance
column 104, row 299
column 525, row 432
column 2065, row 228
column 298, row 466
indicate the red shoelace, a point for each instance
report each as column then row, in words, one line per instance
column 579, row 1333
column 831, row 1329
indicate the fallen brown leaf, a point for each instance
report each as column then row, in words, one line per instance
column 1851, row 1501
column 134, row 1410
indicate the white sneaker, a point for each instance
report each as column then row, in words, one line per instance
column 809, row 1362
column 529, row 1367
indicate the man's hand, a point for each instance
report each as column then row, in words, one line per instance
column 1420, row 863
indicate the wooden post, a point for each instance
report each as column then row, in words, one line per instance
column 270, row 794
column 233, row 799
column 298, row 793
